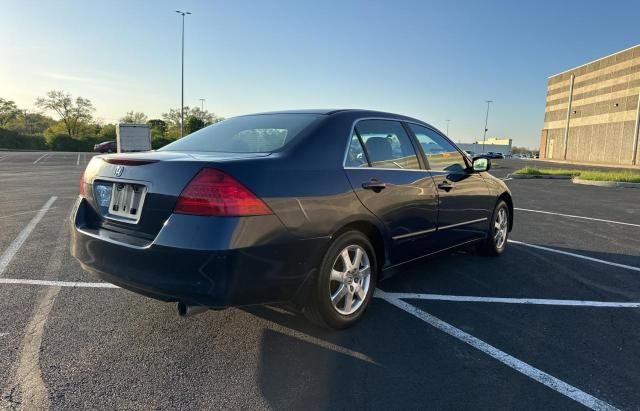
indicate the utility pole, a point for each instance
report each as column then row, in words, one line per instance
column 486, row 122
column 202, row 109
column 182, row 13
column 447, row 127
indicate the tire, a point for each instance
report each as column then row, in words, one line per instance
column 339, row 284
column 497, row 238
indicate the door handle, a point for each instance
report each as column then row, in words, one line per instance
column 374, row 185
column 445, row 185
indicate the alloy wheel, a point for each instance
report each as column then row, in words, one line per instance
column 350, row 279
column 501, row 228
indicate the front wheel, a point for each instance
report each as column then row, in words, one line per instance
column 345, row 283
column 498, row 233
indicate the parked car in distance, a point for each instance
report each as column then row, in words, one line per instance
column 471, row 153
column 312, row 207
column 490, row 155
column 106, row 147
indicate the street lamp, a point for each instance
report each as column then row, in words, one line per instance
column 202, row 109
column 447, row 127
column 486, row 121
column 182, row 13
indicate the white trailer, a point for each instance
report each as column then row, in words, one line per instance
column 133, row 137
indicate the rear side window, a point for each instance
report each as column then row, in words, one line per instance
column 262, row 133
column 386, row 145
column 441, row 154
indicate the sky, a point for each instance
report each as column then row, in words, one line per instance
column 433, row 60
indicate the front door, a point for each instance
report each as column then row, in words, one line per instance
column 386, row 175
column 465, row 203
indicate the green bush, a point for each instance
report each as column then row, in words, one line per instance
column 64, row 142
column 15, row 141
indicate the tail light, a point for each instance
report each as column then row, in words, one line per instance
column 82, row 184
column 214, row 193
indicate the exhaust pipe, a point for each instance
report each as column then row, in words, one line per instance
column 186, row 310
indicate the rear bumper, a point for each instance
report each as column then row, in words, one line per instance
column 217, row 262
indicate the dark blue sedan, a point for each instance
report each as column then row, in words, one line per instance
column 309, row 207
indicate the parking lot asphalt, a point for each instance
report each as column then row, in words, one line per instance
column 551, row 324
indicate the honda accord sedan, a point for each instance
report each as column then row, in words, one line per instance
column 308, row 207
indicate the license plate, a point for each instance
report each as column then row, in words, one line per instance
column 126, row 200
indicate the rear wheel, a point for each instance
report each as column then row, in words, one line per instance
column 498, row 234
column 345, row 283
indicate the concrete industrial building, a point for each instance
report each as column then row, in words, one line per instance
column 592, row 112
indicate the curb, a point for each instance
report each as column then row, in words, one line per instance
column 530, row 176
column 605, row 183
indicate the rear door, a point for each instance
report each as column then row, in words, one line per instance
column 465, row 203
column 388, row 178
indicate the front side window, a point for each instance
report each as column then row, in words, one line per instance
column 387, row 145
column 262, row 133
column 441, row 154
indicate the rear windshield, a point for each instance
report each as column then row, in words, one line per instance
column 263, row 133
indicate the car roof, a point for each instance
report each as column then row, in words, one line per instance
column 333, row 111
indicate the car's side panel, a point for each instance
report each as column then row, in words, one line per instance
column 464, row 209
column 407, row 207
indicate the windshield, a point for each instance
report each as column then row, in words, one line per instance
column 262, row 133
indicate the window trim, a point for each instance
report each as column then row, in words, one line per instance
column 418, row 152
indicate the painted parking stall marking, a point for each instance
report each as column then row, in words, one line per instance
column 47, row 283
column 584, row 257
column 504, row 300
column 577, row 216
column 538, row 375
column 42, row 157
column 13, row 248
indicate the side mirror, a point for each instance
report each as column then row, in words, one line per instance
column 481, row 164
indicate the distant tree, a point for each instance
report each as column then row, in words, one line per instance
column 520, row 150
column 72, row 113
column 173, row 118
column 160, row 126
column 108, row 132
column 8, row 111
column 193, row 124
column 134, row 117
column 30, row 123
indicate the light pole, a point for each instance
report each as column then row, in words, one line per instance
column 202, row 109
column 182, row 13
column 447, row 127
column 486, row 122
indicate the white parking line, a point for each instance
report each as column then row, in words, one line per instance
column 508, row 360
column 577, row 216
column 3, row 157
column 584, row 257
column 75, row 284
column 13, row 248
column 41, row 157
column 78, row 160
column 503, row 300
column 24, row 212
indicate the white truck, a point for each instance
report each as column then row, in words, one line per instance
column 133, row 137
